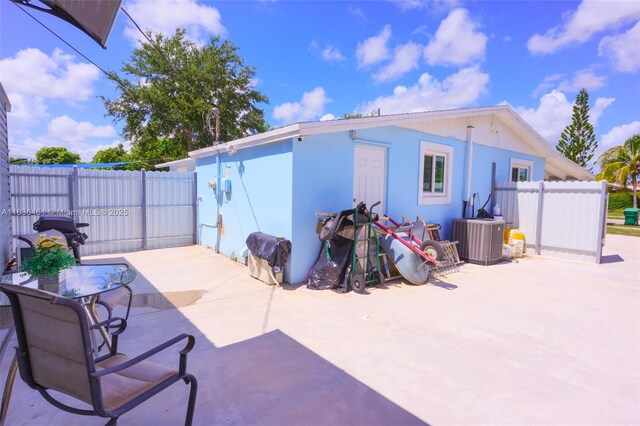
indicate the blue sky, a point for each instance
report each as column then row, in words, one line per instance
column 318, row 60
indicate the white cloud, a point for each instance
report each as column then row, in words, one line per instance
column 433, row 6
column 590, row 18
column 332, row 54
column 598, row 108
column 80, row 137
column 200, row 21
column 405, row 59
column 554, row 112
column 584, row 79
column 618, row 135
column 623, row 50
column 374, row 49
column 328, row 117
column 551, row 116
column 26, row 112
column 67, row 129
column 310, row 107
column 49, row 77
column 329, row 53
column 457, row 41
column 550, row 82
column 457, row 90
column 356, row 12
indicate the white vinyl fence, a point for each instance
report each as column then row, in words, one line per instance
column 126, row 210
column 560, row 219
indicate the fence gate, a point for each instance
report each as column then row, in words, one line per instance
column 126, row 210
column 560, row 219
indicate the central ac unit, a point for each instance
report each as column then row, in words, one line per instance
column 479, row 240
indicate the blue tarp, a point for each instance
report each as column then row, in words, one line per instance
column 80, row 166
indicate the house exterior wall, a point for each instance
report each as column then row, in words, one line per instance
column 182, row 168
column 323, row 182
column 278, row 188
column 260, row 198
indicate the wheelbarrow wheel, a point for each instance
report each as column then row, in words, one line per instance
column 358, row 284
column 433, row 249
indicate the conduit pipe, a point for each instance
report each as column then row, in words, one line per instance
column 469, row 161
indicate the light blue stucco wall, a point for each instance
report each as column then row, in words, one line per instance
column 277, row 188
column 403, row 177
column 323, row 182
column 260, row 198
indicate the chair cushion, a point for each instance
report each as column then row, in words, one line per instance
column 123, row 386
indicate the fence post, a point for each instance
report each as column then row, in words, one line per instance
column 144, row 209
column 539, row 218
column 74, row 191
column 602, row 220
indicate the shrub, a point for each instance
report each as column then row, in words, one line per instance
column 620, row 200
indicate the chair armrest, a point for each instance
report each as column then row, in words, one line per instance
column 183, row 355
column 121, row 327
column 115, row 333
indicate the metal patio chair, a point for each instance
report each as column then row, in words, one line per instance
column 54, row 353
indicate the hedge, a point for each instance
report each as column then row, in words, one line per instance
column 620, row 200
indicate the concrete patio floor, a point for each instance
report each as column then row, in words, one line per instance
column 540, row 341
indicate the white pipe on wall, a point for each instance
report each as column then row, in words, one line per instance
column 469, row 160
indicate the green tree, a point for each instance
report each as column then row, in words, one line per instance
column 621, row 164
column 577, row 142
column 19, row 160
column 111, row 155
column 56, row 155
column 168, row 88
column 147, row 155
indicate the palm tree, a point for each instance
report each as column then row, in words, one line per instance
column 621, row 164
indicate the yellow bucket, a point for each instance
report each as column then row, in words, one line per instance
column 507, row 234
column 516, row 234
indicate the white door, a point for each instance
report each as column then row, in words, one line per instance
column 370, row 176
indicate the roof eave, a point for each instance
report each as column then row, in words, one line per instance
column 174, row 163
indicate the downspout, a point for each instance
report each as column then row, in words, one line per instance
column 469, row 162
column 218, row 195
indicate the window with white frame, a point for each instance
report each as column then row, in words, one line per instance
column 435, row 173
column 521, row 170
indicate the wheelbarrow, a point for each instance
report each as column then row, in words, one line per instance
column 412, row 256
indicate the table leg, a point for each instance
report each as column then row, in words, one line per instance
column 92, row 314
column 8, row 388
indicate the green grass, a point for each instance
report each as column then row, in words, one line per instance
column 615, row 214
column 629, row 230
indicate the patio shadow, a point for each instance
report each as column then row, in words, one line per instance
column 611, row 258
column 273, row 379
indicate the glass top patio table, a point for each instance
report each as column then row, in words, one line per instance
column 79, row 281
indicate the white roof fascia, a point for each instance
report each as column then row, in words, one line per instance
column 180, row 162
column 275, row 135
